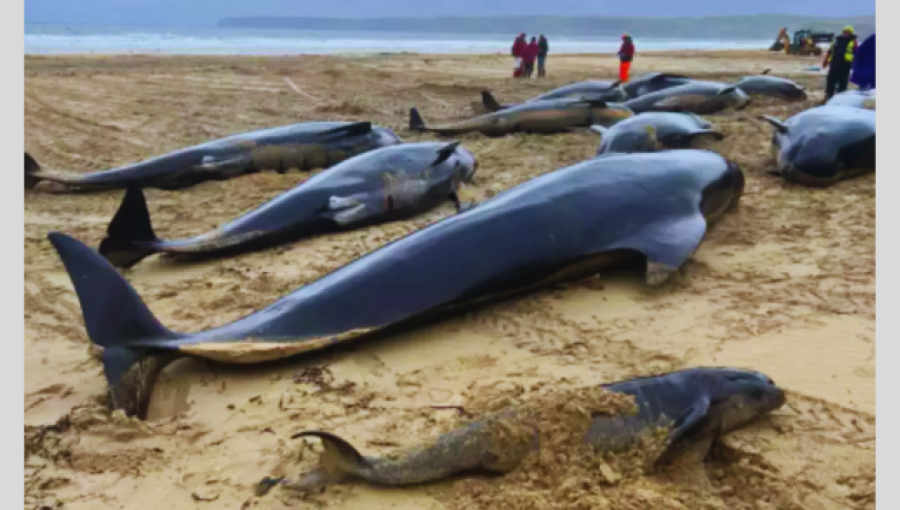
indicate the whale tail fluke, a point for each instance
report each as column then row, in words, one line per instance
column 116, row 319
column 490, row 102
column 130, row 231
column 31, row 167
column 416, row 122
column 338, row 452
column 339, row 462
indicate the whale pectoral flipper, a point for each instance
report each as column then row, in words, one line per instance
column 689, row 421
column 131, row 225
column 461, row 199
column 462, row 195
column 669, row 244
column 692, row 428
column 116, row 318
column 445, row 152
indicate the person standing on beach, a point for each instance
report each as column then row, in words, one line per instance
column 543, row 49
column 839, row 62
column 530, row 55
column 626, row 55
column 864, row 64
column 518, row 51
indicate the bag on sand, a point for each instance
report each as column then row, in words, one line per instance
column 517, row 70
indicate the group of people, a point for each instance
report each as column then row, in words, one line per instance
column 526, row 53
column 846, row 55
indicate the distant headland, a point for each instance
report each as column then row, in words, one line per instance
column 719, row 28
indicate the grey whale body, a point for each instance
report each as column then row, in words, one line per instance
column 386, row 184
column 557, row 227
column 302, row 146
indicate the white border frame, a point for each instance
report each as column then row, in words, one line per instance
column 885, row 343
column 13, row 374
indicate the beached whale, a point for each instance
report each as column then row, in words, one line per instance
column 378, row 186
column 694, row 406
column 653, row 131
column 855, row 98
column 538, row 117
column 700, row 97
column 824, row 145
column 654, row 82
column 593, row 89
column 771, row 86
column 303, row 146
column 563, row 225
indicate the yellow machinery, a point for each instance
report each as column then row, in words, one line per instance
column 805, row 42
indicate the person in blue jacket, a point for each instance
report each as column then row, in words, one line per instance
column 864, row 64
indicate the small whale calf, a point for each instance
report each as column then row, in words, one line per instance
column 694, row 406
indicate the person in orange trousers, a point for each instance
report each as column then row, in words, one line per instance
column 626, row 55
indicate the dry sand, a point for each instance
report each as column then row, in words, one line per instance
column 785, row 285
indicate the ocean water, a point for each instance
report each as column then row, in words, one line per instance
column 79, row 39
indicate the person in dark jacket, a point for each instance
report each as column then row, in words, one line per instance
column 543, row 49
column 839, row 62
column 518, row 51
column 626, row 55
column 864, row 64
column 531, row 53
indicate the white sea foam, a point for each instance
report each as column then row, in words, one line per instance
column 61, row 39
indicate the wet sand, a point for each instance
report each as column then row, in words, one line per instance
column 785, row 285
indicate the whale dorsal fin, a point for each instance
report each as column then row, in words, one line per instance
column 597, row 103
column 665, row 76
column 727, row 89
column 354, row 129
column 445, row 152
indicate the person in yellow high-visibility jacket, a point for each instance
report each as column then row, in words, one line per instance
column 839, row 62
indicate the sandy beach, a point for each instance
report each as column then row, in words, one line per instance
column 784, row 285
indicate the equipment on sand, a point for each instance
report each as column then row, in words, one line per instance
column 805, row 42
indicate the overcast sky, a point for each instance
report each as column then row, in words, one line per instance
column 208, row 12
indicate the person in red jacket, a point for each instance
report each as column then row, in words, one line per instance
column 530, row 56
column 518, row 50
column 626, row 55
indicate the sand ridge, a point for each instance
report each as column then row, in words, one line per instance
column 785, row 284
